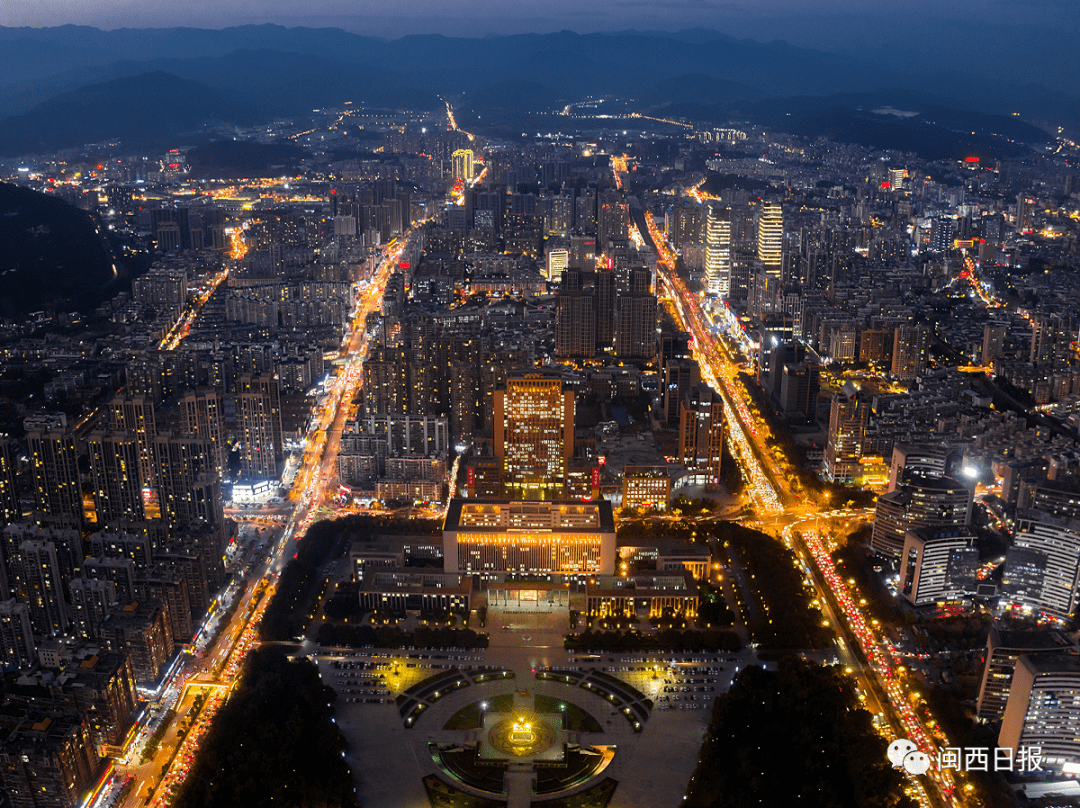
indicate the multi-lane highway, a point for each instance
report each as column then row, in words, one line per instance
column 797, row 520
column 216, row 672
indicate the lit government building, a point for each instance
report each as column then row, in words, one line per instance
column 535, row 556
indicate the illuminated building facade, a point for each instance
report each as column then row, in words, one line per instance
column 701, row 430
column 499, row 536
column 770, row 233
column 1043, row 565
column 929, row 502
column 718, row 251
column 649, row 486
column 116, row 471
column 1003, row 648
column 1043, row 709
column 463, row 161
column 534, row 435
column 54, row 467
column 848, row 417
column 938, row 566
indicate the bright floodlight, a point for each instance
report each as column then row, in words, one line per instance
column 970, row 472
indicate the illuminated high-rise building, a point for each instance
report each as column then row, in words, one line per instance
column 534, row 435
column 54, row 468
column 925, row 502
column 701, row 430
column 135, row 416
column 115, row 469
column 848, row 419
column 1043, row 709
column 557, row 262
column 1042, row 567
column 463, row 161
column 718, row 251
column 258, row 402
column 911, row 348
column 770, row 237
column 200, row 414
column 187, row 481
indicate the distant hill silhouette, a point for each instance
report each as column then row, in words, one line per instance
column 921, row 134
column 241, row 158
column 143, row 83
column 150, row 108
column 52, row 254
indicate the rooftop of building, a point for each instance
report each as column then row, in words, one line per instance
column 1028, row 640
column 499, row 515
column 1040, row 664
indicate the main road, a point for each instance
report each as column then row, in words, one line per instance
column 858, row 638
column 218, row 671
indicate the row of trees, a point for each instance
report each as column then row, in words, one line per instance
column 287, row 615
column 795, row 736
column 355, row 636
column 668, row 640
column 273, row 743
column 783, row 617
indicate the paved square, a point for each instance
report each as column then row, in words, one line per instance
column 652, row 766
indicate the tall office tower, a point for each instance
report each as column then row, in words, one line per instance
column 938, row 565
column 575, row 323
column 200, row 414
column 560, row 219
column 770, row 237
column 1003, row 648
column 1051, row 339
column 1043, row 710
column 91, row 602
column 924, row 503
column 187, row 482
column 54, row 468
column 911, row 347
column 585, row 212
column 942, row 233
column 17, row 647
column 135, row 416
column 534, row 435
column 10, row 511
column 1025, row 213
column 635, row 329
column 701, row 430
column 993, row 345
column 605, row 290
column 463, row 163
column 46, row 595
column 612, row 218
column 258, row 403
column 557, row 262
column 114, row 468
column 897, row 176
column 679, row 375
column 1043, row 565
column 582, row 253
column 848, row 418
column 718, row 252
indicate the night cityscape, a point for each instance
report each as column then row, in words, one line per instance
column 664, row 404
